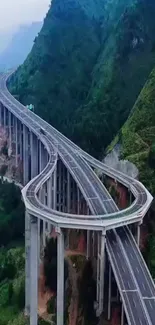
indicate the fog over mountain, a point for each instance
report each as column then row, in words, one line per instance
column 14, row 50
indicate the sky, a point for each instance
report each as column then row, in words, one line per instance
column 16, row 12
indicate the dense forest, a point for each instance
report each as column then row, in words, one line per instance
column 87, row 67
column 12, row 258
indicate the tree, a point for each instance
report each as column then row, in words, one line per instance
column 87, row 293
column 151, row 157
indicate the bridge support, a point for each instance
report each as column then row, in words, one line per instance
column 16, row 141
column 27, row 264
column 100, row 272
column 25, row 156
column 34, row 155
column 39, row 248
column 122, row 315
column 88, row 244
column 68, row 192
column 21, row 141
column 10, row 129
column 60, row 277
column 109, row 293
column 138, row 234
column 1, row 115
column 34, row 272
column 5, row 119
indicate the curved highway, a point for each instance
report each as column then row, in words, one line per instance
column 132, row 276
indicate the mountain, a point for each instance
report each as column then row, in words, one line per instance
column 87, row 67
column 5, row 38
column 137, row 136
column 19, row 46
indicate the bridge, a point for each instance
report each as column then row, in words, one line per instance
column 62, row 191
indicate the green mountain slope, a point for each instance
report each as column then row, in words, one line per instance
column 138, row 134
column 122, row 68
column 88, row 65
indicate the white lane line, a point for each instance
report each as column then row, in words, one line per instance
column 134, row 302
column 131, row 256
column 150, row 304
column 123, row 268
column 131, row 290
column 131, row 315
column 140, row 261
column 143, row 286
column 137, row 269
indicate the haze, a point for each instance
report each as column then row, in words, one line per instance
column 16, row 12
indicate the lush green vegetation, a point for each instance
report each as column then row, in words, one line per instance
column 87, row 67
column 50, row 265
column 12, row 258
column 87, row 295
column 138, row 134
column 11, row 214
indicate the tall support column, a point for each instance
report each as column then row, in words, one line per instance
column 122, row 315
column 2, row 115
column 10, row 130
column 130, row 198
column 138, row 234
column 59, row 186
column 16, row 141
column 88, row 244
column 42, row 164
column 13, row 133
column 5, row 120
column 43, row 157
column 109, row 294
column 25, row 156
column 63, row 189
column 100, row 273
column 93, row 240
column 44, row 233
column 34, row 155
column 54, row 189
column 39, row 248
column 49, row 200
column 49, row 192
column 27, row 264
column 21, row 141
column 60, row 277
column 34, row 272
column 98, row 263
column 78, row 201
column 117, row 296
column 68, row 192
column 1, row 109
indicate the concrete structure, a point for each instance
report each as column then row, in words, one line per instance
column 61, row 190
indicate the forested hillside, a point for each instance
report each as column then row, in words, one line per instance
column 138, row 134
column 88, row 65
column 12, row 256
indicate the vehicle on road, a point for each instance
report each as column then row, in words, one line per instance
column 42, row 131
